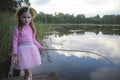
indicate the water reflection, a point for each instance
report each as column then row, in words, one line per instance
column 68, row 29
column 105, row 45
column 106, row 74
column 81, row 65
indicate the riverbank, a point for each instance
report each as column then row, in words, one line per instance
column 42, row 76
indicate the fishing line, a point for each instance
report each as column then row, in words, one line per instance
column 84, row 51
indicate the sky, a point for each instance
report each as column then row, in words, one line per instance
column 89, row 8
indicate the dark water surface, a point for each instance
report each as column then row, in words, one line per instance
column 71, row 65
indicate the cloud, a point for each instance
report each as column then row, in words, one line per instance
column 87, row 7
column 89, row 42
column 39, row 2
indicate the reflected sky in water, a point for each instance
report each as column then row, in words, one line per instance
column 106, row 74
column 81, row 65
column 105, row 45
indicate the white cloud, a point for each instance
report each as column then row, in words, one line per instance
column 87, row 7
column 38, row 2
column 104, row 45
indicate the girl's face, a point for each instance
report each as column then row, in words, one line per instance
column 26, row 18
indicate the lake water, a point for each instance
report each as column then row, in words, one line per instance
column 73, row 65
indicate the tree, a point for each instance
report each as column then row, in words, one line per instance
column 8, row 5
column 117, row 19
column 69, row 18
column 80, row 18
column 11, row 5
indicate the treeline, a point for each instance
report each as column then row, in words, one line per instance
column 80, row 18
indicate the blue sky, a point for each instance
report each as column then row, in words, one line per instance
column 86, row 7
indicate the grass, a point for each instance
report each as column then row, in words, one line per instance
column 6, row 23
column 42, row 30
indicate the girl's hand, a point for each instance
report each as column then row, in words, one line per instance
column 15, row 60
column 43, row 49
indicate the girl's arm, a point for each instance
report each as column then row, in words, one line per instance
column 15, row 41
column 37, row 44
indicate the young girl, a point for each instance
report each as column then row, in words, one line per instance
column 25, row 48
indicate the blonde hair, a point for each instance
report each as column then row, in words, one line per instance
column 20, row 12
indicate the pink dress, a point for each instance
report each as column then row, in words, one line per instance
column 25, row 45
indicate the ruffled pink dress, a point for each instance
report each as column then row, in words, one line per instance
column 26, row 47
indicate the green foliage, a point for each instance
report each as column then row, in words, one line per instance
column 42, row 31
column 111, row 19
column 6, row 24
column 11, row 5
column 78, row 19
column 8, row 5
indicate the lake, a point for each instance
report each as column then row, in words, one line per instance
column 76, row 65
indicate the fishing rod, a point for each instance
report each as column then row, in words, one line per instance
column 83, row 51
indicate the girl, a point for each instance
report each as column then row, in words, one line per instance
column 25, row 48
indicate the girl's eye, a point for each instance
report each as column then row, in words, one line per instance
column 28, row 17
